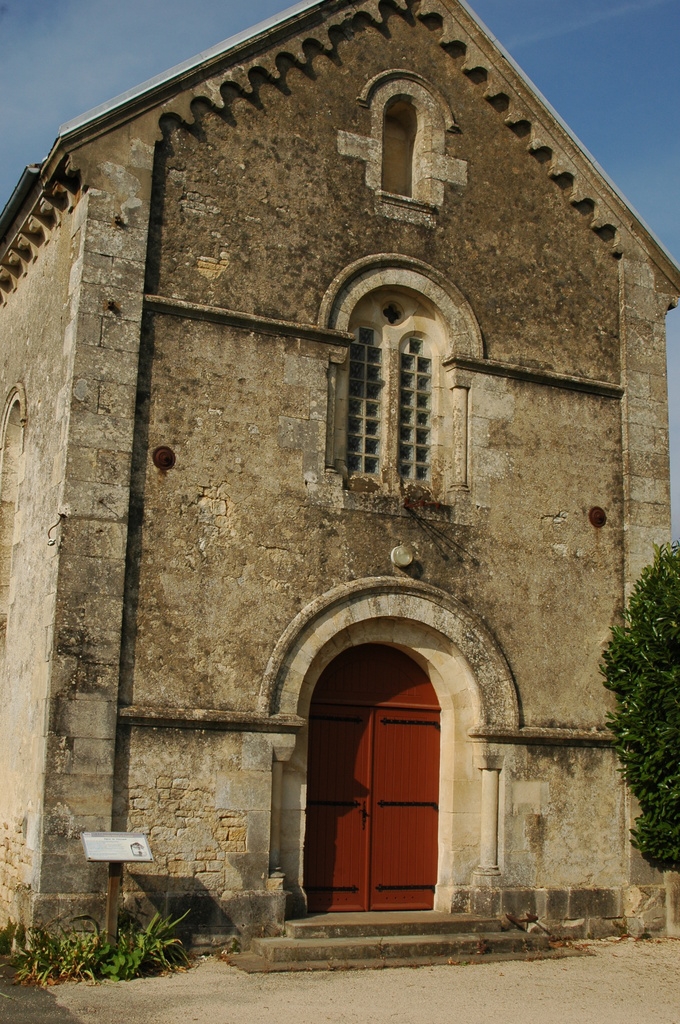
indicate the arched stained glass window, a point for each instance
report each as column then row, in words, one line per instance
column 364, row 410
column 415, row 411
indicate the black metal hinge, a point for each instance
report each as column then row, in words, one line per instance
column 405, row 888
column 407, row 803
column 331, row 888
column 409, row 721
column 333, row 803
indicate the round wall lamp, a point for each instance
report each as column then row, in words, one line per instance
column 401, row 556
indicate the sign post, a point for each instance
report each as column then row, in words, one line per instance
column 116, row 849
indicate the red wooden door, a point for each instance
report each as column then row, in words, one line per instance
column 338, row 777
column 404, row 808
column 373, row 784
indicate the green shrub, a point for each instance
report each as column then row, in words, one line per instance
column 71, row 955
column 642, row 667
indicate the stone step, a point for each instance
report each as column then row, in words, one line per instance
column 424, row 922
column 396, row 947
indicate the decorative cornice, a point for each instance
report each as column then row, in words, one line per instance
column 567, row 161
column 200, row 718
column 531, row 375
column 35, row 219
column 232, row 63
column 27, row 182
column 544, row 736
column 245, row 321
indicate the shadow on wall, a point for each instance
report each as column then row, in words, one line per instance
column 210, row 922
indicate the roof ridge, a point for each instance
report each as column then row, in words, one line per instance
column 191, row 64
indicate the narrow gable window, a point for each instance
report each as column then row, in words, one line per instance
column 399, row 141
column 364, row 419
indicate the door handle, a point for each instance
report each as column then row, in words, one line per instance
column 364, row 814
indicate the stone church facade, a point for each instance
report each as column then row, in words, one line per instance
column 331, row 340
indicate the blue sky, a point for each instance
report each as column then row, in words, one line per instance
column 611, row 68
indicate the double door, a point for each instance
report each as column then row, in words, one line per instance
column 372, row 807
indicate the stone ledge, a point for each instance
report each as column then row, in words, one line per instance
column 201, row 718
column 540, row 736
column 533, row 375
column 246, row 321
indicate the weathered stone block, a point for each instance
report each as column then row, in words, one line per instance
column 119, row 335
column 101, row 431
column 518, row 902
column 485, row 902
column 86, row 718
column 104, row 238
column 257, row 752
column 587, row 903
column 245, row 791
column 557, row 904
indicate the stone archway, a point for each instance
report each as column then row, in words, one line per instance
column 398, row 271
column 467, row 669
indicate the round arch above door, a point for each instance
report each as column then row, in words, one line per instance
column 372, row 784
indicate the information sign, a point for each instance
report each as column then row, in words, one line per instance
column 116, row 847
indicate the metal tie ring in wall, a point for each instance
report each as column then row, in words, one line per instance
column 164, row 458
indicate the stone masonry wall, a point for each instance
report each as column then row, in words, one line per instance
column 204, row 799
column 35, row 354
column 220, row 578
column 108, row 276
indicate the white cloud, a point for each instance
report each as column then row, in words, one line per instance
column 594, row 17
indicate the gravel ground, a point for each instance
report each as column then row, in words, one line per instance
column 623, row 982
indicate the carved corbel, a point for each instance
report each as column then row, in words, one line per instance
column 35, row 230
column 23, row 248
column 12, row 265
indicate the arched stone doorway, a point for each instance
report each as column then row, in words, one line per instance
column 470, row 677
column 372, row 784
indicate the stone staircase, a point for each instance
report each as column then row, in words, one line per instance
column 388, row 939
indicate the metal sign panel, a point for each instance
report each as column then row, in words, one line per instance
column 116, row 847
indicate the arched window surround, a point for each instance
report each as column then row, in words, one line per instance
column 11, row 451
column 433, row 310
column 419, row 322
column 432, row 167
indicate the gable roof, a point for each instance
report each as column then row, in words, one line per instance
column 303, row 16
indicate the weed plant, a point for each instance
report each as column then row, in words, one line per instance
column 47, row 958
